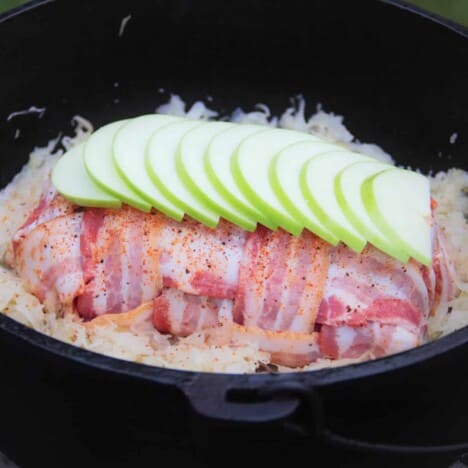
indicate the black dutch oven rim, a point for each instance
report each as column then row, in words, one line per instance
column 207, row 391
column 171, row 376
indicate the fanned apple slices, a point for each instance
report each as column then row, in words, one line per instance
column 161, row 165
column 249, row 175
column 98, row 160
column 218, row 170
column 249, row 166
column 73, row 182
column 129, row 148
column 190, row 165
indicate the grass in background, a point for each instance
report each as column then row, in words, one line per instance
column 455, row 10
column 6, row 5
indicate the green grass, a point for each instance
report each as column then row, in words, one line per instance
column 455, row 10
column 6, row 5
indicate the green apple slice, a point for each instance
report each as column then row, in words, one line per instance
column 190, row 161
column 399, row 203
column 284, row 171
column 161, row 165
column 70, row 178
column 249, row 167
column 317, row 181
column 99, row 163
column 218, row 170
column 348, row 186
column 130, row 155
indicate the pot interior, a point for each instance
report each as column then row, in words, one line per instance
column 398, row 79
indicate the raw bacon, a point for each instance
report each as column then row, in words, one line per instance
column 374, row 304
column 120, row 262
column 196, row 259
column 373, row 339
column 51, row 205
column 295, row 297
column 281, row 281
column 49, row 262
column 182, row 314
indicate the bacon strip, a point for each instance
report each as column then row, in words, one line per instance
column 50, row 206
column 287, row 348
column 281, row 281
column 373, row 339
column 120, row 262
column 356, row 282
column 183, row 314
column 442, row 284
column 48, row 260
column 373, row 304
column 198, row 260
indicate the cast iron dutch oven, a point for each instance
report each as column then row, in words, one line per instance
column 400, row 80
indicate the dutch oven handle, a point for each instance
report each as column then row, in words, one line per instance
column 279, row 401
column 214, row 397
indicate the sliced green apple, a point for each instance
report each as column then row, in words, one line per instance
column 99, row 163
column 130, row 155
column 399, row 203
column 348, row 184
column 190, row 166
column 218, row 170
column 284, row 173
column 70, row 178
column 249, row 167
column 317, row 181
column 161, row 166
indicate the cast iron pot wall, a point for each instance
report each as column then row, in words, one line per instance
column 399, row 80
